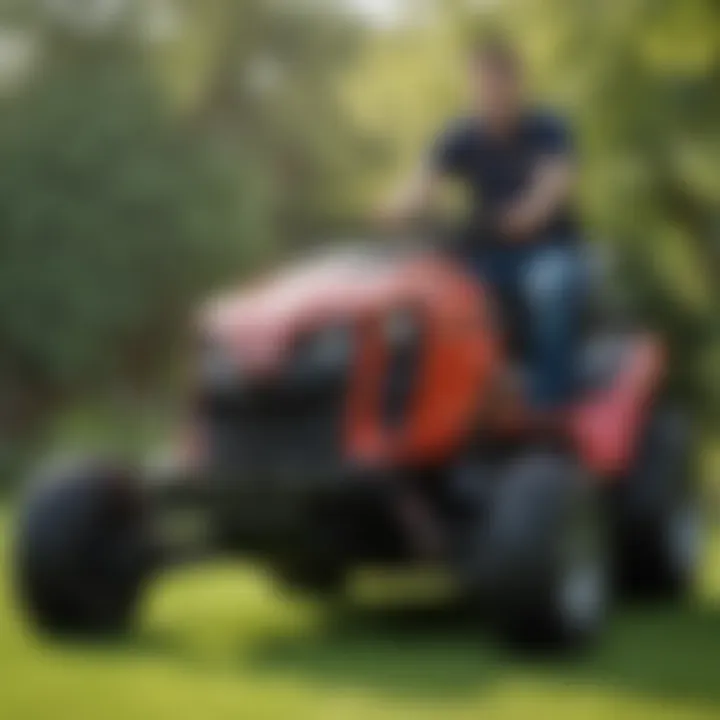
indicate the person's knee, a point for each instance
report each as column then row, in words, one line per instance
column 550, row 280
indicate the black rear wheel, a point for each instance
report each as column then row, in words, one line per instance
column 658, row 515
column 82, row 551
column 541, row 554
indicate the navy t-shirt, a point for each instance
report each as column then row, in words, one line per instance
column 498, row 170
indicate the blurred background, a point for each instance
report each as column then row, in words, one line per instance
column 152, row 151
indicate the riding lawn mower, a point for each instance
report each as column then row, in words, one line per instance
column 368, row 408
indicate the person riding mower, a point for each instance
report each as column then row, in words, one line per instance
column 364, row 408
column 372, row 407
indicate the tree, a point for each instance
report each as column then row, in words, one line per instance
column 114, row 217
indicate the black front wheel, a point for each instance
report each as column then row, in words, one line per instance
column 82, row 551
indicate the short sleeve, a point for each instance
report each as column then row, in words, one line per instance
column 449, row 151
column 552, row 136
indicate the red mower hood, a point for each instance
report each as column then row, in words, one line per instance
column 261, row 319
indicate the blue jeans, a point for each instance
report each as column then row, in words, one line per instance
column 547, row 284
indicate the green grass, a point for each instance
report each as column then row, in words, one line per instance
column 218, row 643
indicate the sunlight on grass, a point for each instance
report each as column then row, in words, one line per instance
column 218, row 642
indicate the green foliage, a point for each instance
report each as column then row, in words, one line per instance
column 139, row 174
column 113, row 220
column 272, row 74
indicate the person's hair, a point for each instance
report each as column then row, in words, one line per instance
column 496, row 52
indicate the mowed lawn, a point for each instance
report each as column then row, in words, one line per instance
column 218, row 643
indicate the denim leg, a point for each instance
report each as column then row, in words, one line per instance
column 551, row 284
column 498, row 267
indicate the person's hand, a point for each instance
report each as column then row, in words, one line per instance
column 552, row 181
column 515, row 223
column 413, row 198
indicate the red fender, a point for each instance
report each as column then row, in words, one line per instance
column 606, row 427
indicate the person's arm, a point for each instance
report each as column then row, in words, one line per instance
column 411, row 199
column 418, row 193
column 551, row 185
